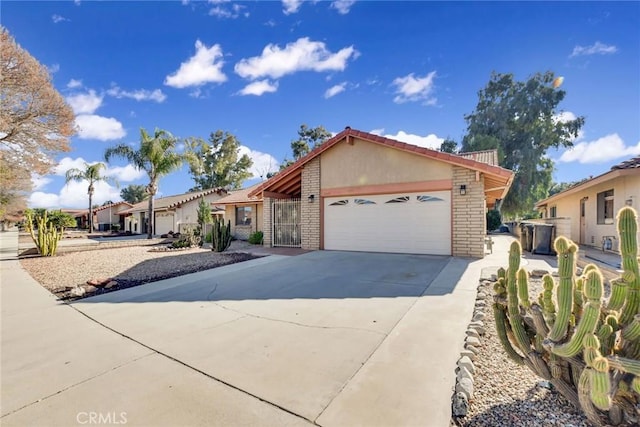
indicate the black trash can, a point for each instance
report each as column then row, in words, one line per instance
column 543, row 239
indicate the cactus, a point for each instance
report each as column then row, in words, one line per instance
column 588, row 345
column 48, row 233
column 221, row 236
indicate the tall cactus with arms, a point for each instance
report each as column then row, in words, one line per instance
column 587, row 346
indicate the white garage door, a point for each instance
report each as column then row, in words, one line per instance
column 418, row 223
column 164, row 223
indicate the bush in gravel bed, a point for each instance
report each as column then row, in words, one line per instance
column 587, row 346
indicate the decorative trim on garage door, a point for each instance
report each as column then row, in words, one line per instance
column 404, row 187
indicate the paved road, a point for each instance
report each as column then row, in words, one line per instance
column 333, row 338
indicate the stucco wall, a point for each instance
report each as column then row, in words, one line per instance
column 366, row 163
column 187, row 213
column 310, row 212
column 624, row 187
column 469, row 214
column 242, row 232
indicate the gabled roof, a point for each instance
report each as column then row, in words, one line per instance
column 168, row 202
column 628, row 164
column 113, row 205
column 240, row 196
column 631, row 166
column 289, row 176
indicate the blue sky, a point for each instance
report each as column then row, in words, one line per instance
column 407, row 70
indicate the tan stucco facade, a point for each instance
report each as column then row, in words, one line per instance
column 626, row 192
column 364, row 163
column 242, row 232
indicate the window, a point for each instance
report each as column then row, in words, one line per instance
column 553, row 212
column 243, row 215
column 605, row 207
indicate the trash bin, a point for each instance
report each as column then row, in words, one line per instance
column 526, row 236
column 523, row 235
column 543, row 239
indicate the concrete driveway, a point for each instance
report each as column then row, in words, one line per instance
column 332, row 338
column 289, row 330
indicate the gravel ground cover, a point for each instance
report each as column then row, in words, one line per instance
column 506, row 394
column 129, row 266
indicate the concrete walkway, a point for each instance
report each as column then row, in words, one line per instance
column 60, row 367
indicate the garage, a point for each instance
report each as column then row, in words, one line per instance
column 418, row 223
column 164, row 222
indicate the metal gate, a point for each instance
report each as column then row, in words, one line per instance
column 286, row 223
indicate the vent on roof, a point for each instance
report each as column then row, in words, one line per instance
column 347, row 127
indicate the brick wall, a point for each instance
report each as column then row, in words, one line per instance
column 469, row 214
column 267, row 227
column 310, row 212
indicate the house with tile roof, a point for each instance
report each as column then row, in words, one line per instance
column 107, row 216
column 244, row 212
column 363, row 192
column 171, row 213
column 586, row 212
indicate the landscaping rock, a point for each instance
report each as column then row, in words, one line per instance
column 111, row 284
column 481, row 295
column 472, row 333
column 460, row 405
column 464, row 373
column 465, row 386
column 480, row 329
column 78, row 291
column 471, row 348
column 90, row 288
column 467, row 364
column 473, row 341
column 478, row 316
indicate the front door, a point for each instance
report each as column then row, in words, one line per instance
column 583, row 222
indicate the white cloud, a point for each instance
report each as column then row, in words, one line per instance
column 411, row 88
column 85, row 103
column 91, row 126
column 203, row 67
column 301, row 55
column 58, row 18
column 125, row 173
column 76, row 2
column 259, row 87
column 334, row 90
column 74, row 195
column 342, row 6
column 53, row 68
column 263, row 163
column 39, row 182
column 378, row 131
column 73, row 84
column 291, row 6
column 429, row 141
column 595, row 49
column 121, row 173
column 223, row 12
column 601, row 150
column 139, row 95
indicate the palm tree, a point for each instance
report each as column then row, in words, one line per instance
column 156, row 156
column 90, row 173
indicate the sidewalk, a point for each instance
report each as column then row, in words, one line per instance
column 61, row 369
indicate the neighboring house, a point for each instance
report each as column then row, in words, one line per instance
column 586, row 212
column 363, row 192
column 80, row 215
column 106, row 216
column 244, row 212
column 171, row 213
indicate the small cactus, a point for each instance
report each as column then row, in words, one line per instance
column 587, row 344
column 220, row 236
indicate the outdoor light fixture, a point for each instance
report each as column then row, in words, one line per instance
column 311, row 198
column 463, row 189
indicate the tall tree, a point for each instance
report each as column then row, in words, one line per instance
column 217, row 163
column 521, row 120
column 449, row 146
column 134, row 193
column 156, row 156
column 308, row 139
column 35, row 121
column 90, row 174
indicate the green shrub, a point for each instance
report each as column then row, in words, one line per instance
column 493, row 220
column 208, row 238
column 256, row 238
column 188, row 238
